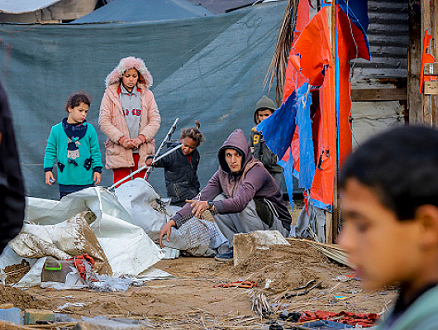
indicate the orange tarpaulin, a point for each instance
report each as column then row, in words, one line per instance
column 311, row 61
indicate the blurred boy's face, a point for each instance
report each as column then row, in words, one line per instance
column 77, row 114
column 383, row 250
column 263, row 114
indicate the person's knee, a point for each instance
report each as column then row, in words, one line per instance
column 220, row 197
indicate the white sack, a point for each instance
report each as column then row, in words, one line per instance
column 128, row 249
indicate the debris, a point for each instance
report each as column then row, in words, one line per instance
column 363, row 319
column 245, row 244
column 13, row 314
column 238, row 284
column 292, row 317
column 302, row 293
column 260, row 305
column 35, row 316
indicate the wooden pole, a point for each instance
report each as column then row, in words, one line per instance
column 414, row 99
column 331, row 218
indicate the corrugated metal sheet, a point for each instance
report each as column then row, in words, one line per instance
column 388, row 34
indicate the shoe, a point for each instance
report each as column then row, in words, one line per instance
column 227, row 256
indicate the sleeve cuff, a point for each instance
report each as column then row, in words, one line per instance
column 179, row 220
column 98, row 169
column 219, row 206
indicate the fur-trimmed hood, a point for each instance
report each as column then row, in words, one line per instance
column 126, row 64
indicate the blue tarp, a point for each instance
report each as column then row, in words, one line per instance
column 278, row 133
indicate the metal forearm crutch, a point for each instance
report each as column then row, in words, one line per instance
column 155, row 159
column 145, row 166
column 167, row 138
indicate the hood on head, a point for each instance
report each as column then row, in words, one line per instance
column 237, row 141
column 263, row 104
column 125, row 64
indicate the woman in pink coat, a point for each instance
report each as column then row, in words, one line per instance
column 129, row 117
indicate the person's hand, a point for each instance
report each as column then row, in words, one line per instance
column 50, row 179
column 96, row 177
column 136, row 142
column 149, row 161
column 126, row 143
column 198, row 207
column 166, row 230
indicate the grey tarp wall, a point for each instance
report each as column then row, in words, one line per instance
column 209, row 69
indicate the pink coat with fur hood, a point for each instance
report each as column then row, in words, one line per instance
column 112, row 120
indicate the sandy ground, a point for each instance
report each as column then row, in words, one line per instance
column 193, row 300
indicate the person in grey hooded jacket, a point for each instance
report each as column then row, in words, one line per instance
column 241, row 195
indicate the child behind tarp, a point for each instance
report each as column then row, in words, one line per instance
column 389, row 192
column 265, row 107
column 74, row 144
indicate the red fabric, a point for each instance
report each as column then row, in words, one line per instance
column 79, row 264
column 426, row 58
column 313, row 45
column 294, row 78
column 120, row 173
column 363, row 319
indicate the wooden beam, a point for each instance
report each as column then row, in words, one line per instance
column 414, row 98
column 431, row 87
column 379, row 94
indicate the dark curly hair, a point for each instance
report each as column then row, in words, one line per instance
column 194, row 133
column 400, row 165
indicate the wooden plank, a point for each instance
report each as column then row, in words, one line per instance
column 414, row 105
column 430, row 87
column 5, row 325
column 379, row 94
column 434, row 110
column 431, row 69
column 426, row 110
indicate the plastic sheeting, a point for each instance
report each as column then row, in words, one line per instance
column 127, row 247
column 209, row 69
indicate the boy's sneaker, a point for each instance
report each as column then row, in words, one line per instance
column 227, row 256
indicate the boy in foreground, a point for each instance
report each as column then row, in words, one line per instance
column 389, row 191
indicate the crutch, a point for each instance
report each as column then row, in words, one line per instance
column 155, row 159
column 167, row 138
column 143, row 167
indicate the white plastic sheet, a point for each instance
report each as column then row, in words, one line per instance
column 128, row 249
column 141, row 201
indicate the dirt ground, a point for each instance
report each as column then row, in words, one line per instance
column 193, row 300
column 289, row 278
